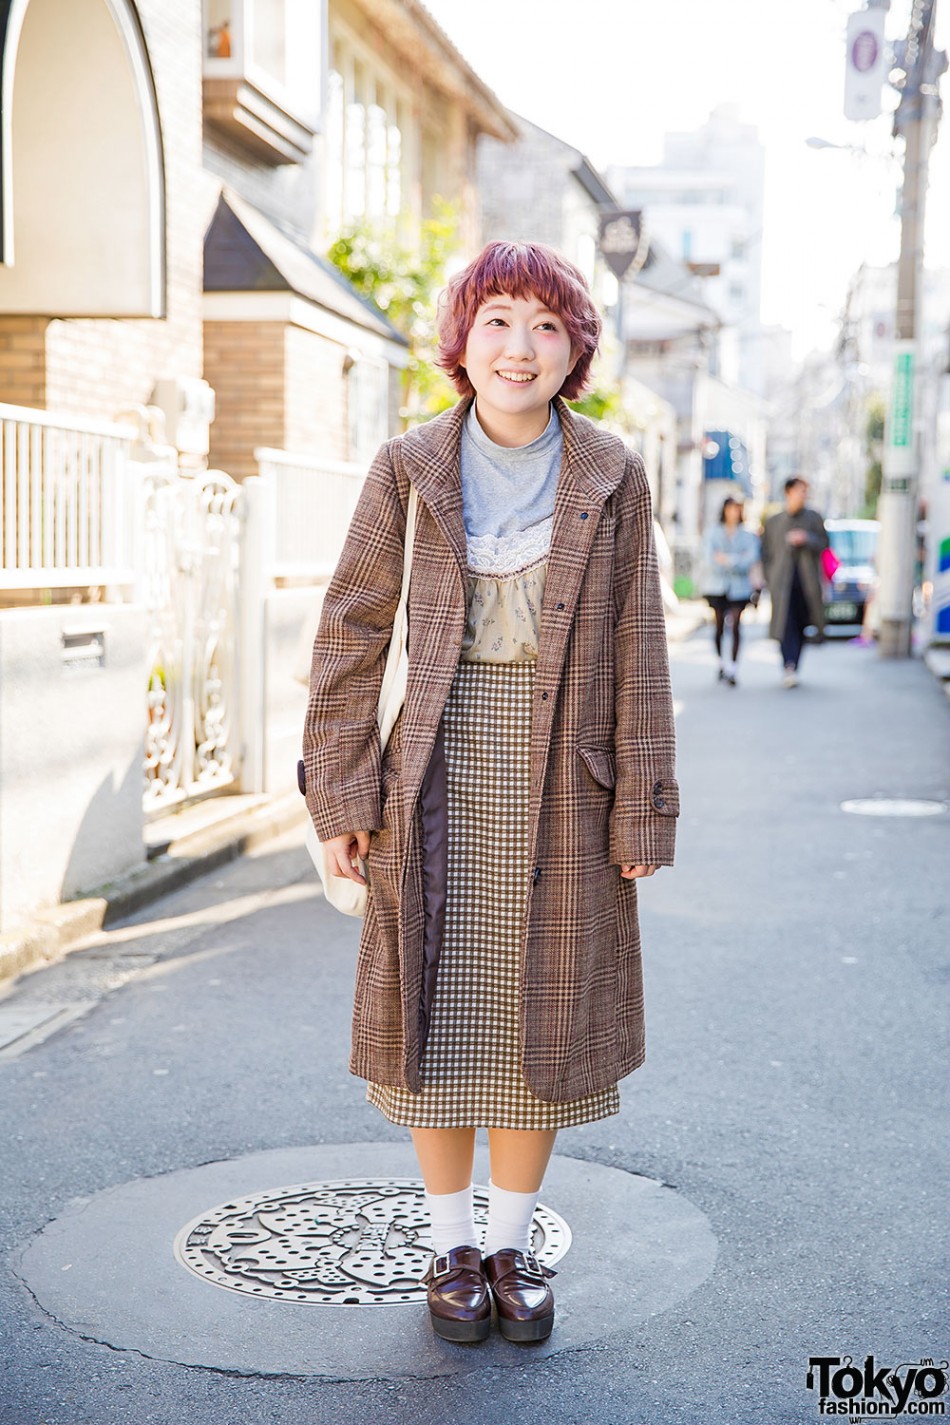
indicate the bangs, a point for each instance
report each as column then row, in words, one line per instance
column 525, row 270
column 519, row 270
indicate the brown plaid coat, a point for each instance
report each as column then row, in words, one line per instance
column 603, row 791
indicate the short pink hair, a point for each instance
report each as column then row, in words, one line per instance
column 518, row 269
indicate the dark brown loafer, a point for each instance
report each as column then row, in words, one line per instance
column 523, row 1299
column 459, row 1299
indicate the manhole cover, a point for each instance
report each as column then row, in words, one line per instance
column 893, row 806
column 356, row 1242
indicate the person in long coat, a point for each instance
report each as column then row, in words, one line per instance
column 792, row 545
column 529, row 780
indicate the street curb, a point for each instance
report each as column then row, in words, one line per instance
column 49, row 934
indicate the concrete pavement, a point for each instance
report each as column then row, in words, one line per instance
column 797, row 978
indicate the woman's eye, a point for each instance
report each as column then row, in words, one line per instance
column 550, row 326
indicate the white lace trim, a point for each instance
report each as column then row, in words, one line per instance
column 509, row 553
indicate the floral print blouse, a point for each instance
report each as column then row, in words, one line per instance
column 505, row 581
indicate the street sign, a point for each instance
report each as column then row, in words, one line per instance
column 623, row 241
column 865, row 65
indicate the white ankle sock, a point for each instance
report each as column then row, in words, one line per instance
column 452, row 1217
column 509, row 1219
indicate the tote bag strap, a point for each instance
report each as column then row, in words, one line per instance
column 410, row 540
column 392, row 693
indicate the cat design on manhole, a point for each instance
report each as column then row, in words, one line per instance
column 347, row 1243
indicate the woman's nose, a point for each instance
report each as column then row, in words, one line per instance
column 519, row 345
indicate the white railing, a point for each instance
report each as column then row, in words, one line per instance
column 67, row 514
column 313, row 504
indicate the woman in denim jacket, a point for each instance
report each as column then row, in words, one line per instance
column 731, row 552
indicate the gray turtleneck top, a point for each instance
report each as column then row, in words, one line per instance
column 508, row 489
column 508, row 507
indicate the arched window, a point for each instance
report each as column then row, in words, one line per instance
column 82, row 187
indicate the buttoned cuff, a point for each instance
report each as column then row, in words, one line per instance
column 647, row 837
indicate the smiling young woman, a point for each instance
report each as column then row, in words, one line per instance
column 528, row 783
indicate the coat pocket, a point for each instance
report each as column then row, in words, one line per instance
column 601, row 764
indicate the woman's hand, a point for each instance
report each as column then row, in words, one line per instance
column 632, row 873
column 342, row 852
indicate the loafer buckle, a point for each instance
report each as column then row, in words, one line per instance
column 533, row 1266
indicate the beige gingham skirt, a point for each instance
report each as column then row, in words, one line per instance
column 471, row 1070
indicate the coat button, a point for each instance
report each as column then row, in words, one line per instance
column 658, row 802
column 584, row 515
column 535, row 874
column 544, row 697
column 560, row 606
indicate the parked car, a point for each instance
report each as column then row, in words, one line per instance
column 848, row 592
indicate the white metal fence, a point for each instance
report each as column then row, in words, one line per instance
column 90, row 505
column 313, row 502
column 66, row 503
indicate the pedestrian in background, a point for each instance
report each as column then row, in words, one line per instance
column 528, row 782
column 792, row 544
column 732, row 551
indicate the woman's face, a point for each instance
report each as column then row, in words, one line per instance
column 733, row 514
column 517, row 356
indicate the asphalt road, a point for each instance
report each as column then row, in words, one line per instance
column 798, row 966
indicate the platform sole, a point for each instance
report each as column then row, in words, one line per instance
column 538, row 1330
column 460, row 1331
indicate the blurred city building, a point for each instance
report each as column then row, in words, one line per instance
column 829, row 424
column 691, row 318
column 704, row 201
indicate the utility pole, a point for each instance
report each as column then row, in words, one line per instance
column 916, row 120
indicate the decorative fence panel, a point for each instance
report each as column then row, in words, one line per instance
column 65, row 501
column 191, row 586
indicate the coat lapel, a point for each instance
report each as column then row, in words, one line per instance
column 591, row 469
column 431, row 457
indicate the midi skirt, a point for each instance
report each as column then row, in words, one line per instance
column 471, row 1069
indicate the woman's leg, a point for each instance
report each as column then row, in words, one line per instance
column 736, row 637
column 458, row 1293
column 523, row 1298
column 720, row 613
column 519, row 1158
column 445, row 1158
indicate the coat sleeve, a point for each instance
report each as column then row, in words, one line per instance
column 646, row 797
column 341, row 748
